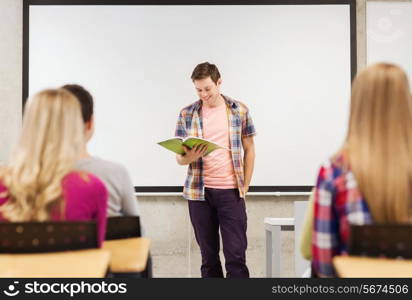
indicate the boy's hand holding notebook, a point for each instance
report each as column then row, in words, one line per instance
column 176, row 144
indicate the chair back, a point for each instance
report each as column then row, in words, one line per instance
column 123, row 227
column 37, row 237
column 381, row 240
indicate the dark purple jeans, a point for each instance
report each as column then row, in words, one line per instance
column 225, row 209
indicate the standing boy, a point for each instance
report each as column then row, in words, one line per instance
column 216, row 184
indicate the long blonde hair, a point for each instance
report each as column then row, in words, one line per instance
column 51, row 141
column 379, row 141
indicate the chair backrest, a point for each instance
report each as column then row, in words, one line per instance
column 123, row 227
column 386, row 240
column 36, row 237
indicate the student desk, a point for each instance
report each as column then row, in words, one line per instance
column 79, row 263
column 355, row 266
column 273, row 228
column 128, row 255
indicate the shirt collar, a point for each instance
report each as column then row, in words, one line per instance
column 232, row 104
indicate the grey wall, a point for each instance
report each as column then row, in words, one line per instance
column 10, row 73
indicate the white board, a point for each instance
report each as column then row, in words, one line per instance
column 290, row 64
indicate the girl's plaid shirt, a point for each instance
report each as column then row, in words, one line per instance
column 338, row 204
column 190, row 123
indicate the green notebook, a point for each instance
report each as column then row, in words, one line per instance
column 176, row 144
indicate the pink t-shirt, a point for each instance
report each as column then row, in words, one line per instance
column 85, row 199
column 218, row 169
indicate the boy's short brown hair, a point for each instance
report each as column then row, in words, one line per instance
column 85, row 99
column 205, row 70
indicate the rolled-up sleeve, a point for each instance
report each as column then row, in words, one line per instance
column 248, row 128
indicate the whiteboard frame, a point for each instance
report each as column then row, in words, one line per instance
column 178, row 189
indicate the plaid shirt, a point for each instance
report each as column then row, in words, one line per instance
column 190, row 123
column 338, row 204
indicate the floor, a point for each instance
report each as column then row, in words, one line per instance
column 179, row 264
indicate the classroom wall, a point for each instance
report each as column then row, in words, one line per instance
column 166, row 219
column 10, row 73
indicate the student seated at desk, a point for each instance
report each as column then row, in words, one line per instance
column 40, row 182
column 122, row 200
column 369, row 179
